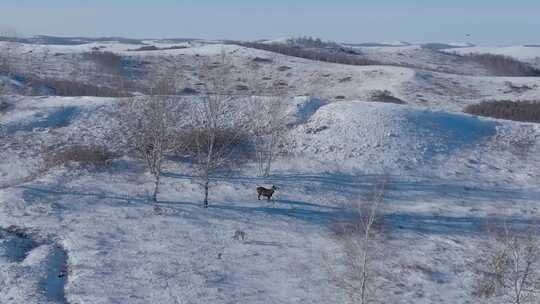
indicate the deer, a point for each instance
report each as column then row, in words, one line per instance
column 239, row 235
column 262, row 191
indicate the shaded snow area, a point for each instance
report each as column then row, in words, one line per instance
column 87, row 235
column 32, row 271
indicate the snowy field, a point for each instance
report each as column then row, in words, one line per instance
column 79, row 235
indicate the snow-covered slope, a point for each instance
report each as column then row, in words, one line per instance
column 94, row 230
column 447, row 172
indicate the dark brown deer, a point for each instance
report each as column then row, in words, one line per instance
column 262, row 191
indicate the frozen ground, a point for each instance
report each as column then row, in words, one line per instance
column 448, row 174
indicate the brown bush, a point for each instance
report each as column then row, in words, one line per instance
column 89, row 155
column 62, row 87
column 528, row 111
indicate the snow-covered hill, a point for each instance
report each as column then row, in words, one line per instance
column 416, row 75
column 447, row 173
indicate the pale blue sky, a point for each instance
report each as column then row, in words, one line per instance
column 489, row 22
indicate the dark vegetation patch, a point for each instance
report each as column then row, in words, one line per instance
column 439, row 46
column 500, row 65
column 313, row 49
column 384, row 96
column 188, row 91
column 527, row 111
column 145, row 48
column 262, row 60
column 376, row 44
column 242, row 87
column 284, row 68
column 155, row 48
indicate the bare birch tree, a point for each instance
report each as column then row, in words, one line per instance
column 267, row 112
column 362, row 244
column 150, row 123
column 267, row 126
column 214, row 126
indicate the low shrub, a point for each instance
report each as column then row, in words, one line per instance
column 527, row 111
column 89, row 155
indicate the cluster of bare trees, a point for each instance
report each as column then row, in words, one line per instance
column 210, row 129
column 509, row 266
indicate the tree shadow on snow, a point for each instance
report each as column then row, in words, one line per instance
column 43, row 194
column 449, row 225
